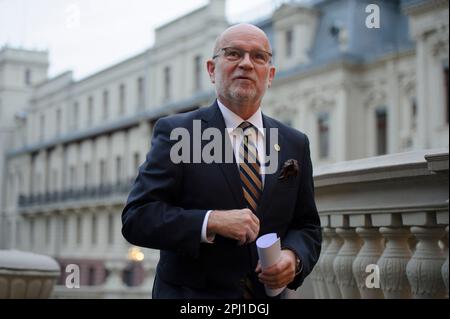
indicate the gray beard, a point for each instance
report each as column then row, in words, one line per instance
column 242, row 95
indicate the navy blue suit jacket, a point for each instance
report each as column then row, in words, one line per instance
column 168, row 202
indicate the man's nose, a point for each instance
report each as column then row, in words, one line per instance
column 246, row 61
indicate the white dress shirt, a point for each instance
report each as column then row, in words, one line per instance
column 232, row 122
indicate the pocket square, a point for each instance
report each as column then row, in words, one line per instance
column 290, row 168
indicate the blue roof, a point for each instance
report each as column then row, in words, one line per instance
column 364, row 44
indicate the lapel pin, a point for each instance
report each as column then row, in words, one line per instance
column 277, row 147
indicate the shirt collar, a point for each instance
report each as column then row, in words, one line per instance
column 232, row 120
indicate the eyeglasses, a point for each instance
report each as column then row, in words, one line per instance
column 260, row 57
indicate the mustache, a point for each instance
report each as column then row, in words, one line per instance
column 242, row 76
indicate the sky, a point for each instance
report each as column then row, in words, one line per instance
column 86, row 36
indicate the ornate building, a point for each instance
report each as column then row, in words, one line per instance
column 70, row 149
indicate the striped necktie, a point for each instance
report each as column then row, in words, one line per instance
column 250, row 167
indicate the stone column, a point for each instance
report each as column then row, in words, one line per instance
column 343, row 262
column 393, row 261
column 326, row 264
column 369, row 254
column 424, row 268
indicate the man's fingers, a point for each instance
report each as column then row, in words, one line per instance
column 258, row 267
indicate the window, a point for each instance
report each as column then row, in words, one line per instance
column 198, row 73
column 47, row 230
column 111, row 228
column 140, row 93
column 102, row 173
column 32, row 232
column 65, row 234
column 54, row 181
column 90, row 111
column 42, row 127
column 87, row 173
column 381, row 127
column 27, row 76
column 121, row 99
column 79, row 230
column 105, row 105
column 94, row 230
column 118, row 169
column 167, row 83
column 20, row 187
column 324, row 135
column 38, row 185
column 413, row 114
column 289, row 43
column 58, row 121
column 73, row 177
column 76, row 110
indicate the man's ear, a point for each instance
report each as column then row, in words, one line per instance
column 211, row 67
column 271, row 76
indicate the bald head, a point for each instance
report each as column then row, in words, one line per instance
column 237, row 31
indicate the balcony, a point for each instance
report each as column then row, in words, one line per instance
column 385, row 227
column 66, row 197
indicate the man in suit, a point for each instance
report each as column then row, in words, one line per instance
column 205, row 217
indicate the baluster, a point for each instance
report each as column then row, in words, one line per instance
column 393, row 261
column 114, row 285
column 343, row 262
column 369, row 254
column 326, row 264
column 444, row 269
column 424, row 268
column 319, row 282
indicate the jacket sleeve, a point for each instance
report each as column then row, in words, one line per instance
column 304, row 236
column 151, row 218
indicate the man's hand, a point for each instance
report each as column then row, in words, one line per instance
column 280, row 274
column 239, row 224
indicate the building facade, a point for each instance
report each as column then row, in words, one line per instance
column 70, row 149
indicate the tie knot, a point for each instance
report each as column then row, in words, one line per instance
column 245, row 125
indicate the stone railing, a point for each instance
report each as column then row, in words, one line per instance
column 114, row 287
column 385, row 227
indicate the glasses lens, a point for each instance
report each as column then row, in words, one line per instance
column 236, row 54
column 233, row 54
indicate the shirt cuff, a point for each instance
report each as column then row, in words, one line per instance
column 204, row 229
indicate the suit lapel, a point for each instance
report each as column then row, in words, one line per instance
column 271, row 179
column 213, row 118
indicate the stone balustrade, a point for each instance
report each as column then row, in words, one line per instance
column 385, row 233
column 114, row 287
column 385, row 227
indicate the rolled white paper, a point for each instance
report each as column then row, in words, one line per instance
column 269, row 251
